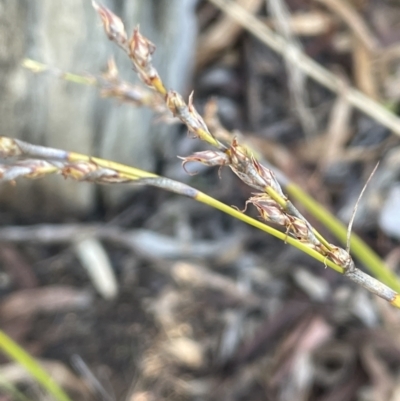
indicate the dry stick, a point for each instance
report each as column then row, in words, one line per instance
column 346, row 11
column 365, row 46
column 337, row 132
column 221, row 35
column 296, row 77
column 315, row 71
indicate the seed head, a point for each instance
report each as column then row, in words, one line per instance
column 208, row 157
column 112, row 24
column 140, row 49
column 341, row 257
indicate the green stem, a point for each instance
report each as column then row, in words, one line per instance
column 208, row 200
column 358, row 247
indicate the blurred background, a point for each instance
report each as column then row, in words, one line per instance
column 139, row 294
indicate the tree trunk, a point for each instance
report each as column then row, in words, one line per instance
column 44, row 110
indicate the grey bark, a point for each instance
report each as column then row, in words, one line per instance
column 47, row 111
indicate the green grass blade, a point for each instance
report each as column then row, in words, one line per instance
column 17, row 354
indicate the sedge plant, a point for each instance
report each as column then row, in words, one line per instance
column 273, row 205
column 33, row 161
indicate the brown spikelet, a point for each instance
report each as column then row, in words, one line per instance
column 112, row 24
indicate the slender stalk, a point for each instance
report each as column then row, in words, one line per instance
column 85, row 168
column 185, row 190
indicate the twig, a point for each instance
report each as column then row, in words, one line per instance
column 297, row 80
column 314, row 70
column 345, row 10
column 365, row 46
column 221, row 35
